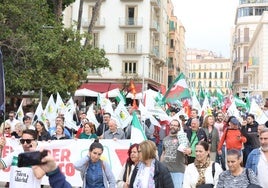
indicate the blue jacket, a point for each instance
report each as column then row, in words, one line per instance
column 253, row 160
column 57, row 180
column 108, row 176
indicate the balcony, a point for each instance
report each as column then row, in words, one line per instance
column 252, row 1
column 155, row 51
column 131, row 0
column 156, row 3
column 155, row 26
column 241, row 40
column 130, row 22
column 92, row 0
column 125, row 50
column 100, row 23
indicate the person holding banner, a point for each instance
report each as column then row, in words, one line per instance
column 126, row 172
column 18, row 174
column 94, row 171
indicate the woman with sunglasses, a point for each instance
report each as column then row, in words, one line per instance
column 95, row 172
column 29, row 143
column 5, row 130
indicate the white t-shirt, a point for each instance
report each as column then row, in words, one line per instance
column 145, row 177
column 262, row 170
column 20, row 177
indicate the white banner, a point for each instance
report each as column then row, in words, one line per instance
column 66, row 152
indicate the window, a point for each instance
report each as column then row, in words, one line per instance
column 221, row 75
column 215, row 74
column 227, row 75
column 131, row 15
column 205, row 75
column 199, row 75
column 171, row 43
column 90, row 12
column 130, row 67
column 95, row 40
column 130, row 42
column 210, row 74
column 209, row 84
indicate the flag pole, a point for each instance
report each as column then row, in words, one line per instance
column 2, row 94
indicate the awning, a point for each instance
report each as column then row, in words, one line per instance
column 85, row 92
column 104, row 87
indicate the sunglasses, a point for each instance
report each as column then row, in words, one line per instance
column 7, row 128
column 28, row 141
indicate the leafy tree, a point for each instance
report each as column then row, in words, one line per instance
column 40, row 53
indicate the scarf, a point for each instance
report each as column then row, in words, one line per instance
column 201, row 168
column 138, row 179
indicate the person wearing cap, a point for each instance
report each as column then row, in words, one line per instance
column 232, row 136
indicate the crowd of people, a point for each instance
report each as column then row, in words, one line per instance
column 216, row 150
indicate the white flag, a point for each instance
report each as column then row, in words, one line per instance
column 51, row 111
column 122, row 115
column 69, row 115
column 260, row 116
column 92, row 117
column 60, row 104
column 20, row 113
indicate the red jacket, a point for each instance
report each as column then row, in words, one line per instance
column 233, row 139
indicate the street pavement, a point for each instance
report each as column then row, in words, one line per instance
column 2, row 185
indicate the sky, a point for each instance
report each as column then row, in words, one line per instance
column 207, row 23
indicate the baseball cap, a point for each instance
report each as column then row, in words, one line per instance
column 235, row 121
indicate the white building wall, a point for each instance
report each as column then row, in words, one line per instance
column 112, row 35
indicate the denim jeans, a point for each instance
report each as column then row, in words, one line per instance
column 177, row 178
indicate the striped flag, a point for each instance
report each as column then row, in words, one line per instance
column 137, row 133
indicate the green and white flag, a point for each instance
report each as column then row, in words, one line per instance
column 178, row 90
column 240, row 103
column 137, row 132
column 121, row 97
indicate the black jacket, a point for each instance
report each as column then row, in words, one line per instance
column 162, row 177
column 201, row 134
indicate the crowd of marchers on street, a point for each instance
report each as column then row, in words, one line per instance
column 213, row 150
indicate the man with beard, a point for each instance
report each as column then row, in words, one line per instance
column 258, row 159
column 250, row 131
column 171, row 157
column 220, row 126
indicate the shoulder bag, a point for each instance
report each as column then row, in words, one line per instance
column 251, row 185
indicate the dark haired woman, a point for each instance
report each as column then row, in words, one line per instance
column 94, row 171
column 126, row 172
column 236, row 176
column 42, row 133
column 201, row 171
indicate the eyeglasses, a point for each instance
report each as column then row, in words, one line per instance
column 28, row 141
column 6, row 128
